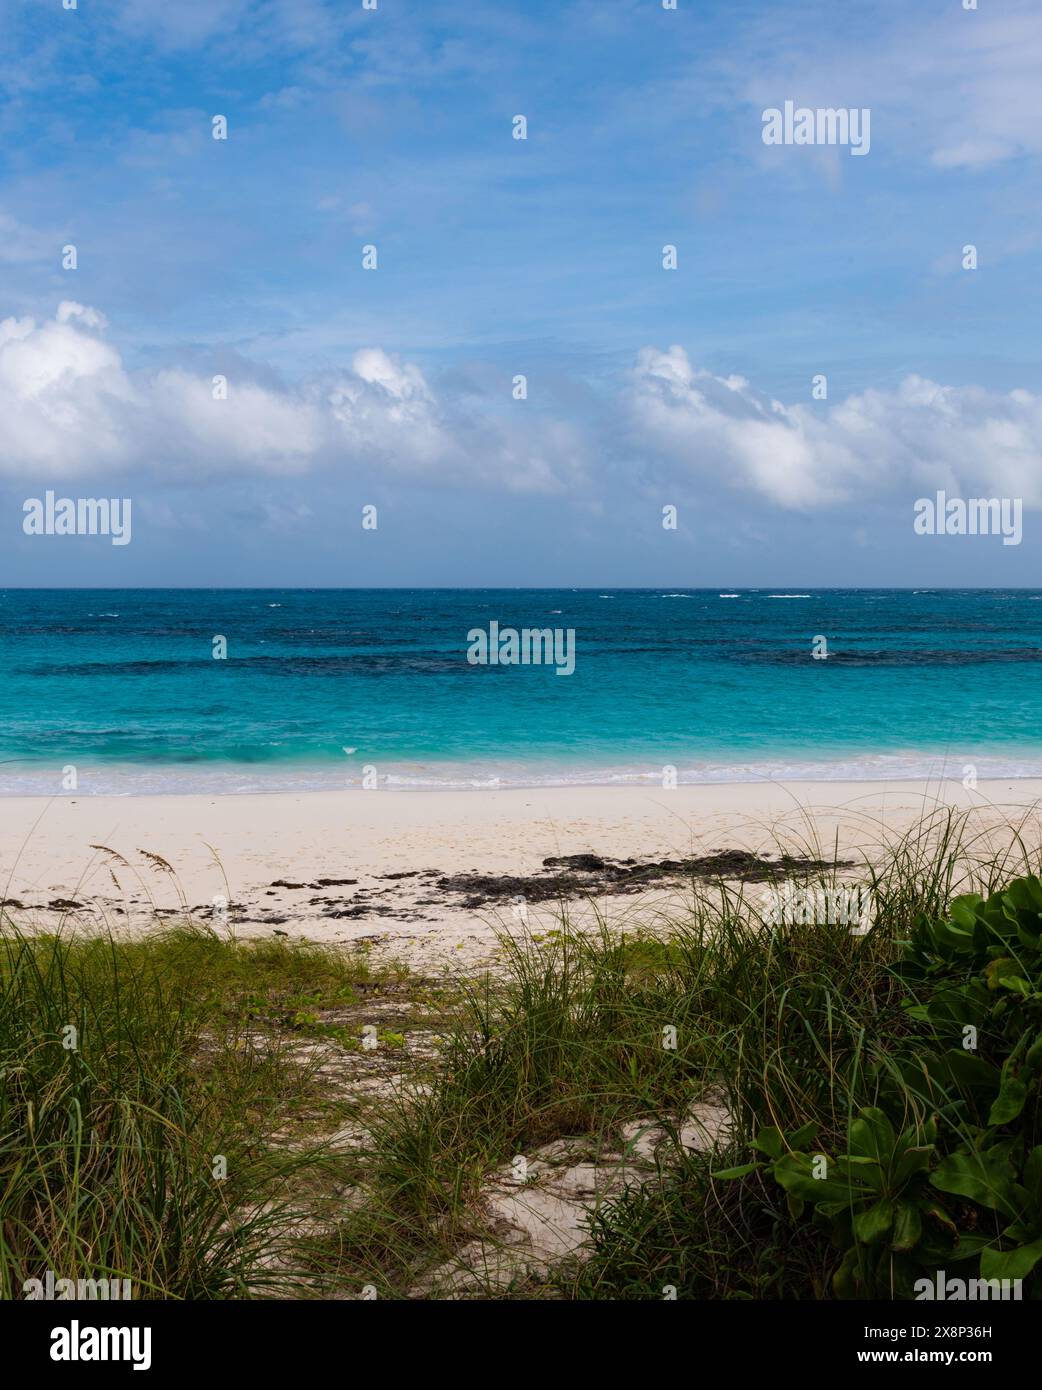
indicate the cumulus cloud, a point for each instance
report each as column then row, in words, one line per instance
column 921, row 436
column 63, row 393
column 70, row 407
column 386, row 411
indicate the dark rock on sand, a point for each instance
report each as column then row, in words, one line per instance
column 573, row 875
column 574, row 861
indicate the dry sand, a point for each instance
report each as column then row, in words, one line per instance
column 380, row 867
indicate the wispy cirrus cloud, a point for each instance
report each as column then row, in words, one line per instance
column 954, row 88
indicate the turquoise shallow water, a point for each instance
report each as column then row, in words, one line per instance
column 320, row 685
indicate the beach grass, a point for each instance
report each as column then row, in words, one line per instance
column 789, row 1025
column 188, row 1049
column 142, row 1083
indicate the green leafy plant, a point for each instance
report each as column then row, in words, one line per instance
column 945, row 1167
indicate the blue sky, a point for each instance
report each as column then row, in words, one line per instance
column 393, row 387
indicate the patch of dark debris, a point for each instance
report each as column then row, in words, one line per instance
column 562, row 876
column 574, row 875
column 318, row 883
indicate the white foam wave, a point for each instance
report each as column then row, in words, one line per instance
column 227, row 779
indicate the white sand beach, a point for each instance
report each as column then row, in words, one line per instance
column 393, row 869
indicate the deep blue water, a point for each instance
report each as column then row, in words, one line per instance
column 123, row 685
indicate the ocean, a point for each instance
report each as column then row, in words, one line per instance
column 341, row 688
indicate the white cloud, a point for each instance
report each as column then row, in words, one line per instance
column 69, row 407
column 179, row 26
column 917, row 438
column 253, row 430
column 387, row 411
column 63, row 395
column 960, row 88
